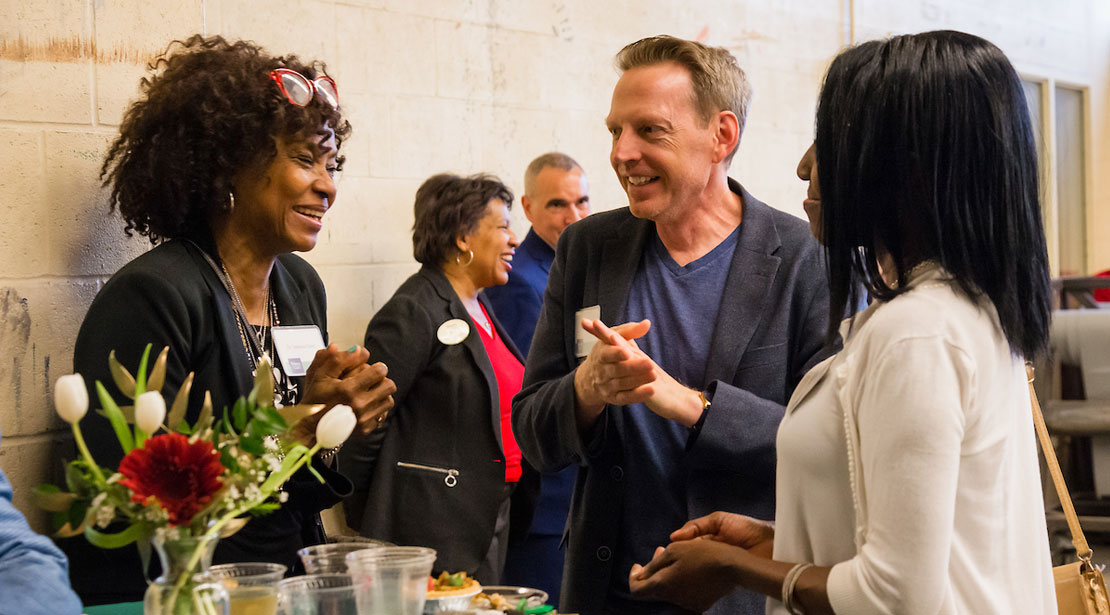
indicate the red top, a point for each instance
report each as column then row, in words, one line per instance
column 1102, row 294
column 510, row 375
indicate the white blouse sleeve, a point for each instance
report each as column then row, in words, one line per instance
column 910, row 399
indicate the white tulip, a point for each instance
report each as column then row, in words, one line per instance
column 71, row 398
column 150, row 411
column 335, row 427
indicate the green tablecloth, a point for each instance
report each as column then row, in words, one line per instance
column 122, row 608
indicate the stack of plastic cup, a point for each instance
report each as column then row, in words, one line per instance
column 251, row 586
column 391, row 580
column 331, row 558
column 317, row 594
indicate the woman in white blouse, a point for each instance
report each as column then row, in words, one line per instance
column 908, row 479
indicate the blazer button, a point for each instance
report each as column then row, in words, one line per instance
column 617, row 473
column 604, row 553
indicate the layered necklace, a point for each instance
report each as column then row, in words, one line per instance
column 256, row 339
column 255, row 343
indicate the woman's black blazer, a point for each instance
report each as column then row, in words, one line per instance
column 170, row 296
column 434, row 474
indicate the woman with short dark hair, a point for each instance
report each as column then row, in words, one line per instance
column 441, row 471
column 226, row 164
column 907, row 477
column 447, row 206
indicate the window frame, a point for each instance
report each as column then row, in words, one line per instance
column 1048, row 163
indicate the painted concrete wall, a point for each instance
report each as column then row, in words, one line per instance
column 429, row 85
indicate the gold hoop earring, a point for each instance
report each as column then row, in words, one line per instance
column 458, row 261
column 230, row 201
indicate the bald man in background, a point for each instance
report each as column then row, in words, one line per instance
column 556, row 195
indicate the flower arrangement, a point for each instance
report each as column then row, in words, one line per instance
column 203, row 480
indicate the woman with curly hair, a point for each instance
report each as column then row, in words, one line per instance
column 227, row 165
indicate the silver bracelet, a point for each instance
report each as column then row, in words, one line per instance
column 789, row 582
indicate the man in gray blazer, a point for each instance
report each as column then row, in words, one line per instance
column 673, row 414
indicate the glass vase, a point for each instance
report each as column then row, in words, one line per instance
column 185, row 587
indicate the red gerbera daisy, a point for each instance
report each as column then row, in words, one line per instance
column 181, row 477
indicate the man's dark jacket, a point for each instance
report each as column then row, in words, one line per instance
column 769, row 332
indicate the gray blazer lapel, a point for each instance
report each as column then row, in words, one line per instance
column 620, row 259
column 743, row 298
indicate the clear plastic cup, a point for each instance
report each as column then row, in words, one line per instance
column 391, row 580
column 251, row 586
column 331, row 558
column 317, row 594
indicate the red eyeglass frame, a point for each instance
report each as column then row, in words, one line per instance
column 312, row 87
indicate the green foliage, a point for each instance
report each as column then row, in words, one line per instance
column 270, row 420
column 264, row 509
column 225, row 425
column 229, row 461
column 313, row 471
column 91, row 501
column 75, row 516
column 252, row 442
column 115, row 416
column 117, row 540
column 80, row 480
column 239, row 414
column 140, row 378
column 125, row 382
column 51, row 499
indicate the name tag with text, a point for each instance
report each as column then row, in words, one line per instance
column 583, row 340
column 296, row 346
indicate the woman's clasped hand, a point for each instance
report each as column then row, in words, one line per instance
column 702, row 565
column 339, row 376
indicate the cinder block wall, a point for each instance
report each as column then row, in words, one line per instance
column 429, row 85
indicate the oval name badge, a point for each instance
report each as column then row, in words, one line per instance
column 453, row 331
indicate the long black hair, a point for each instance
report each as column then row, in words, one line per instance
column 925, row 151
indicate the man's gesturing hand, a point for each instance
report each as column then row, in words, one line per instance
column 617, row 372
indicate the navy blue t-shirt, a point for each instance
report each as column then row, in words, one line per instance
column 682, row 304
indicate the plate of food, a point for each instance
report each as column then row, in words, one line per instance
column 450, row 592
column 510, row 598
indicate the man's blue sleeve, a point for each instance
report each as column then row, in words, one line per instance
column 34, row 575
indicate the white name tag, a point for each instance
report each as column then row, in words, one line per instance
column 583, row 340
column 296, row 347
